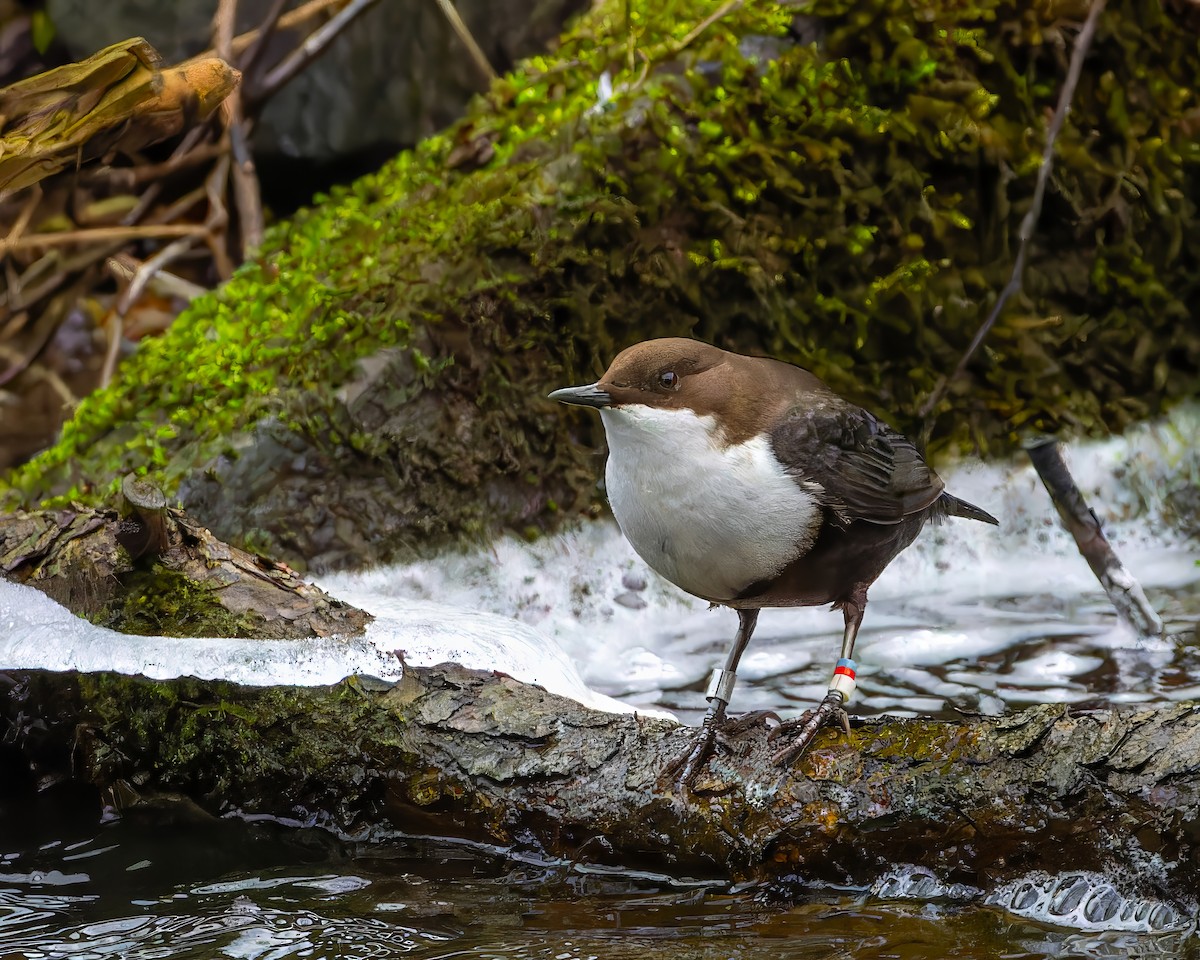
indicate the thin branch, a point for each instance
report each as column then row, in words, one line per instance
column 218, row 217
column 223, row 25
column 36, row 371
column 250, row 59
column 150, row 268
column 246, row 191
column 179, row 206
column 26, row 214
column 101, row 234
column 293, row 18
column 1029, row 222
column 144, row 273
column 464, row 34
column 1123, row 590
column 727, row 7
column 124, row 267
column 116, row 332
column 130, row 177
column 313, row 46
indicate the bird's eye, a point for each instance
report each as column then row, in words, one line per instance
column 668, row 380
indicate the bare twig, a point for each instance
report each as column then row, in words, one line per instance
column 141, row 276
column 313, row 46
column 223, row 25
column 37, row 372
column 116, row 332
column 1029, row 222
column 218, row 217
column 124, row 267
column 130, row 177
column 149, row 269
column 246, row 190
column 293, row 18
column 250, row 59
column 464, row 35
column 101, row 234
column 1123, row 590
column 726, row 8
column 26, row 214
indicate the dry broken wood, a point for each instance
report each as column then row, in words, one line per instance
column 475, row 755
column 119, row 99
column 154, row 570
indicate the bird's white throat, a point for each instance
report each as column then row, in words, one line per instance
column 711, row 517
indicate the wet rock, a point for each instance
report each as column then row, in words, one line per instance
column 630, row 600
column 633, row 580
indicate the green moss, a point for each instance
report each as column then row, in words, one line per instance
column 849, row 204
column 161, row 602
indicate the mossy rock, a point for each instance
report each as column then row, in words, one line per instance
column 840, row 187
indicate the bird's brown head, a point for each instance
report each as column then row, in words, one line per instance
column 675, row 373
column 667, row 373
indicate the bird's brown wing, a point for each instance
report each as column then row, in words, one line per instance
column 854, row 464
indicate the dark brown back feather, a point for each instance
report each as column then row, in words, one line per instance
column 865, row 470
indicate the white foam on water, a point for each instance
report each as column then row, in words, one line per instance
column 1090, row 902
column 1085, row 901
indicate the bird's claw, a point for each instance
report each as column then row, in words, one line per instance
column 683, row 769
column 810, row 724
column 713, row 736
column 753, row 718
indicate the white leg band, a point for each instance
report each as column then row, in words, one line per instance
column 720, row 685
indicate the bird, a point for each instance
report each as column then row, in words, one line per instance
column 749, row 483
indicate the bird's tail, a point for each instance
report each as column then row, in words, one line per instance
column 955, row 507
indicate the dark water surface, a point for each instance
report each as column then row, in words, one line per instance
column 75, row 886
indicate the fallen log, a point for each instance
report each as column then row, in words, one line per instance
column 150, row 569
column 476, row 755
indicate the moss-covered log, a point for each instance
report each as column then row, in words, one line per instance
column 155, row 572
column 839, row 187
column 477, row 755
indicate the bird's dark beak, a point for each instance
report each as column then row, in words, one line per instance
column 588, row 396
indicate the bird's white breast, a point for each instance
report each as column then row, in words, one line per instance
column 711, row 518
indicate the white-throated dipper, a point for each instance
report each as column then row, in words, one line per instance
column 749, row 483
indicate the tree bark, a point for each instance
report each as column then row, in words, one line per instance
column 479, row 756
column 156, row 571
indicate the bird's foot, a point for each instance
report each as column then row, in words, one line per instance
column 714, row 735
column 807, row 726
column 736, row 725
column 682, row 771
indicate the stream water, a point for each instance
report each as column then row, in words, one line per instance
column 969, row 618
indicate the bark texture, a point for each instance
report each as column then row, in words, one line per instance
column 476, row 755
column 156, row 571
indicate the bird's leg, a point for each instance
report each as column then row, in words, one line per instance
column 841, row 687
column 720, row 688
